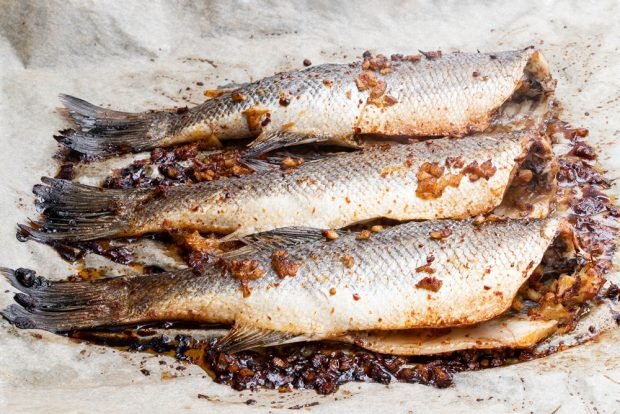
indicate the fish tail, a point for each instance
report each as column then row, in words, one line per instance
column 60, row 306
column 63, row 306
column 74, row 211
column 102, row 131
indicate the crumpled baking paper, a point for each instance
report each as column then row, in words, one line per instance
column 136, row 55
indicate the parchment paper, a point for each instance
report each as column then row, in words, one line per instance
column 136, row 55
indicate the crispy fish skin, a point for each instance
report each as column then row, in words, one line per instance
column 436, row 179
column 502, row 332
column 350, row 284
column 454, row 94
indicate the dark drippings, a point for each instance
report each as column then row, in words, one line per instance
column 179, row 165
column 318, row 366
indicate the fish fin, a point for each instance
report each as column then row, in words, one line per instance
column 243, row 337
column 270, row 140
column 240, row 252
column 76, row 211
column 283, row 238
column 275, row 162
column 59, row 306
column 279, row 157
column 102, row 131
column 235, row 235
column 259, row 165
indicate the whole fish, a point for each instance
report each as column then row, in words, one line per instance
column 442, row 178
column 420, row 95
column 297, row 286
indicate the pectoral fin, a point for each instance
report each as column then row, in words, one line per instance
column 242, row 337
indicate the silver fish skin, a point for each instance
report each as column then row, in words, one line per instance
column 447, row 95
column 399, row 278
column 436, row 179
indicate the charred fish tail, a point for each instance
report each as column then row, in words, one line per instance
column 103, row 132
column 74, row 211
column 60, row 306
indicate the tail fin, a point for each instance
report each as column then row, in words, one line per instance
column 77, row 212
column 59, row 306
column 103, row 131
column 62, row 306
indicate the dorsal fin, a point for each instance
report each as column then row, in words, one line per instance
column 271, row 140
column 284, row 238
column 275, row 161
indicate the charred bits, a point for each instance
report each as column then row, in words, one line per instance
column 583, row 150
column 348, row 261
column 405, row 58
column 429, row 283
column 283, row 265
column 426, row 268
column 431, row 55
column 237, row 96
column 244, row 271
column 291, row 162
column 367, row 80
column 66, row 172
column 454, row 162
column 432, row 182
column 284, row 99
column 574, row 172
column 441, row 234
column 485, row 170
column 330, row 234
column 256, row 117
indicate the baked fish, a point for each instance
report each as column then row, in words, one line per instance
column 435, row 179
column 291, row 284
column 421, row 95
